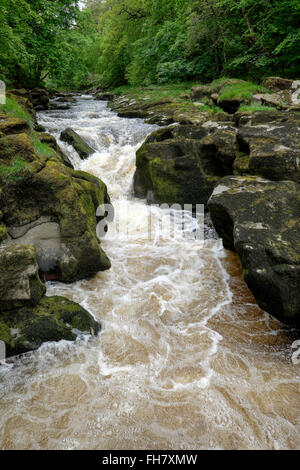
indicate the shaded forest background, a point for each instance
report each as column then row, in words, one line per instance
column 139, row 42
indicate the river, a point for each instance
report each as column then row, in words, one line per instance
column 185, row 359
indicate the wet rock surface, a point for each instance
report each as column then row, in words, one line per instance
column 72, row 138
column 27, row 317
column 259, row 220
column 163, row 111
column 269, row 146
column 178, row 165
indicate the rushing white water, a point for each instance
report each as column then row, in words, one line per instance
column 185, row 360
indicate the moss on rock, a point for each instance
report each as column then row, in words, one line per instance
column 53, row 319
column 179, row 165
column 81, row 147
column 35, row 184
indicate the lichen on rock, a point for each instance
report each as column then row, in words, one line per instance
column 259, row 219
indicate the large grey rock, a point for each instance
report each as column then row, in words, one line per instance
column 269, row 146
column 39, row 97
column 178, row 165
column 259, row 219
column 103, row 96
column 27, row 317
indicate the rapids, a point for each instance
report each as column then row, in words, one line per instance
column 185, row 359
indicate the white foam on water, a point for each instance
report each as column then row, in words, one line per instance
column 185, row 358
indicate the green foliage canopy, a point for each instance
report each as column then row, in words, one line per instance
column 116, row 42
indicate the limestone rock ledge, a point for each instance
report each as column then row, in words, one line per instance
column 259, row 219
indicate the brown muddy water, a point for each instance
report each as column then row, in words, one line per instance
column 185, row 360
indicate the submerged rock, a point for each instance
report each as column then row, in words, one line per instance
column 259, row 219
column 81, row 147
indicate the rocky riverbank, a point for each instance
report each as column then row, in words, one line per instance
column 47, row 230
column 242, row 161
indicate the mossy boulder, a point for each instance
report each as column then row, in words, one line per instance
column 259, row 219
column 233, row 95
column 56, row 210
column 11, row 125
column 280, row 100
column 228, row 93
column 103, row 96
column 27, row 317
column 52, row 319
column 222, row 144
column 51, row 207
column 199, row 92
column 178, row 165
column 81, row 147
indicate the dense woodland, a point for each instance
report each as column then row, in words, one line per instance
column 139, row 42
